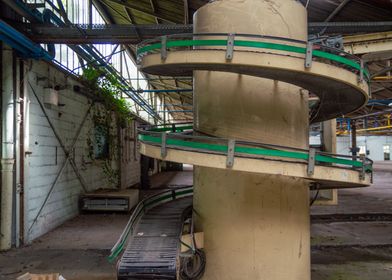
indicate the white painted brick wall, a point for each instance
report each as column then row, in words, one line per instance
column 42, row 165
column 130, row 158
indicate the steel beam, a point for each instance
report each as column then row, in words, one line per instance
column 368, row 43
column 128, row 33
column 334, row 13
column 383, row 71
column 99, row 34
column 349, row 27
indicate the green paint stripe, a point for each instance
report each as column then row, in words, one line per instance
column 253, row 44
column 249, row 150
column 272, row 46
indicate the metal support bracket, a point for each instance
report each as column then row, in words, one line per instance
column 230, row 153
column 363, row 170
column 163, row 145
column 309, row 55
column 163, row 47
column 230, row 47
column 173, row 194
column 311, row 161
column 361, row 71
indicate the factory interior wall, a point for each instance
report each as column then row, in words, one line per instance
column 43, row 156
column 374, row 145
column 130, row 156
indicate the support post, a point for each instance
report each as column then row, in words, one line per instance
column 353, row 140
column 7, row 152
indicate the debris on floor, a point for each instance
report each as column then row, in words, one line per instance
column 29, row 276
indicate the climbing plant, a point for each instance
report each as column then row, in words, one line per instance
column 109, row 89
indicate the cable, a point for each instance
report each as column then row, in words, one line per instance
column 315, row 197
column 192, row 268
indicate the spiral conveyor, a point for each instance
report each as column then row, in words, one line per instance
column 254, row 72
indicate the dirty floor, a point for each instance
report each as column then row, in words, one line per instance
column 351, row 241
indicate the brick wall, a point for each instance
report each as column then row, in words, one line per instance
column 44, row 155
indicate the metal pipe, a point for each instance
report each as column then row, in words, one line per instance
column 21, row 153
column 16, row 173
column 379, row 102
column 23, row 44
column 7, row 153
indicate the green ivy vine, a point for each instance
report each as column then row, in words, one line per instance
column 110, row 89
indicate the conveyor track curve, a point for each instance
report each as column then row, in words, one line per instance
column 153, row 244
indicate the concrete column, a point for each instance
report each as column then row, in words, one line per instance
column 329, row 136
column 328, row 197
column 7, row 158
column 255, row 226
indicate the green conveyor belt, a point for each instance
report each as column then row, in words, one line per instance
column 254, row 44
column 255, row 151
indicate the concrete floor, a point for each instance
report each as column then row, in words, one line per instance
column 351, row 241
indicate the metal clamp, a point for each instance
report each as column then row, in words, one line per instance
column 163, row 145
column 361, row 71
column 363, row 170
column 163, row 47
column 309, row 55
column 311, row 161
column 230, row 47
column 230, row 153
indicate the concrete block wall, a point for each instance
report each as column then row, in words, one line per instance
column 130, row 157
column 44, row 155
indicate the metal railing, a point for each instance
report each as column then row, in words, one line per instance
column 256, row 43
column 179, row 137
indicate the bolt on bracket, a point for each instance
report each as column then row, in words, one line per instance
column 230, row 47
column 163, row 47
column 230, row 153
column 361, row 71
column 363, row 169
column 311, row 161
column 163, row 145
column 309, row 55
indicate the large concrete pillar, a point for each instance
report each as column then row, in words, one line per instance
column 255, row 226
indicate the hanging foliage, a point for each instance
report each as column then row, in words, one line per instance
column 103, row 132
column 111, row 90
